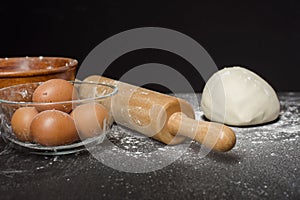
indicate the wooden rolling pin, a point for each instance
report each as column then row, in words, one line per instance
column 162, row 117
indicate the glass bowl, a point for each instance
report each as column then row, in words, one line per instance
column 14, row 97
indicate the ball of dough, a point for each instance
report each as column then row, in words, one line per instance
column 239, row 97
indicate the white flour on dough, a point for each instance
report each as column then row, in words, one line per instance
column 237, row 96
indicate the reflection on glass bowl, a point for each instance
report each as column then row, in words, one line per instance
column 14, row 97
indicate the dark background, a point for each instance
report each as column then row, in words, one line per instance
column 263, row 36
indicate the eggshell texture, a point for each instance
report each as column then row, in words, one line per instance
column 21, row 121
column 55, row 90
column 89, row 119
column 53, row 128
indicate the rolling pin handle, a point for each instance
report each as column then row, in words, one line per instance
column 213, row 135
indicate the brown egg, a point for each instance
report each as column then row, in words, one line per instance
column 55, row 90
column 53, row 128
column 21, row 121
column 89, row 119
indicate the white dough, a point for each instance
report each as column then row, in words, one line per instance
column 237, row 96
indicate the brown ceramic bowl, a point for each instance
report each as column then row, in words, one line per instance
column 21, row 70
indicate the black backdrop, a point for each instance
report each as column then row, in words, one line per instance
column 264, row 36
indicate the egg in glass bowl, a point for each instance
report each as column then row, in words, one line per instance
column 53, row 117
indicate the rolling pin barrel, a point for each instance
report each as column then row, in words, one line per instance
column 162, row 117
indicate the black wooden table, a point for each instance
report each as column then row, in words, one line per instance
column 263, row 165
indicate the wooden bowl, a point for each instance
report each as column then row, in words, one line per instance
column 21, row 70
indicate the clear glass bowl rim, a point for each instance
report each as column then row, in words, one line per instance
column 23, row 103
